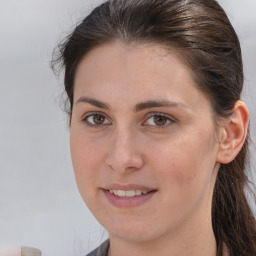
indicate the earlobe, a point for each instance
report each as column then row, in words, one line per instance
column 234, row 133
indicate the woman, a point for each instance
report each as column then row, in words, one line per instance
column 159, row 135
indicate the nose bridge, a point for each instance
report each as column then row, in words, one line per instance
column 123, row 152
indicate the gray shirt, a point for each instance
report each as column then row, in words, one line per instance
column 102, row 250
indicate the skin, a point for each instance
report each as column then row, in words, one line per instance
column 179, row 156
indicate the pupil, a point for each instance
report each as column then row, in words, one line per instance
column 98, row 119
column 160, row 120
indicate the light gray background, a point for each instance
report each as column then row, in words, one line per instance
column 39, row 202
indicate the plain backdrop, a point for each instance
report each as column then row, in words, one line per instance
column 39, row 203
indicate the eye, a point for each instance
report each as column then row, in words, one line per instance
column 160, row 120
column 95, row 120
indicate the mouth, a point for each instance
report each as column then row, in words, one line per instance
column 128, row 196
column 128, row 193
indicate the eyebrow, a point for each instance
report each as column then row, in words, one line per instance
column 157, row 104
column 94, row 102
column 138, row 107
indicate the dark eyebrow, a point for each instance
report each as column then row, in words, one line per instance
column 157, row 104
column 138, row 107
column 94, row 102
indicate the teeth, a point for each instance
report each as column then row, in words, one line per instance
column 129, row 193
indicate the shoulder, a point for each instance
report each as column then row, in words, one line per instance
column 102, row 250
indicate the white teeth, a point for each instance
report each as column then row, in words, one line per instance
column 138, row 192
column 119, row 193
column 128, row 193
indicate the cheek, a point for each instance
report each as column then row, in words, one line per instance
column 185, row 164
column 185, row 178
column 87, row 157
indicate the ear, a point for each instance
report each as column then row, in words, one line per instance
column 233, row 133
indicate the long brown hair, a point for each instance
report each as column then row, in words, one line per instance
column 205, row 40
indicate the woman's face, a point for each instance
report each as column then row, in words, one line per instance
column 142, row 142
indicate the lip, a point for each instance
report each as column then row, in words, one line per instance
column 127, row 187
column 125, row 202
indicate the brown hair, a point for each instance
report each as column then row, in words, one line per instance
column 205, row 40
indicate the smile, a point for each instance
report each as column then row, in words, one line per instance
column 128, row 196
column 129, row 193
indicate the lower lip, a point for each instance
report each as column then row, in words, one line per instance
column 128, row 201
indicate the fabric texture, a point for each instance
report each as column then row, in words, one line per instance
column 102, row 250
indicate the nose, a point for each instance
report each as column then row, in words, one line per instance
column 124, row 154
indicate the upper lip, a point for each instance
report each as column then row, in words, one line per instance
column 127, row 187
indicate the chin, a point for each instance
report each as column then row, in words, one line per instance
column 133, row 232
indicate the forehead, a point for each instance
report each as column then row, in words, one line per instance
column 135, row 72
column 142, row 55
column 129, row 58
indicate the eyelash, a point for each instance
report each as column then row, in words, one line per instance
column 89, row 124
column 170, row 120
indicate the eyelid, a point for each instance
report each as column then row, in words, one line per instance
column 93, row 113
column 89, row 114
column 168, row 117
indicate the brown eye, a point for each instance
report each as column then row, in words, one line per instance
column 160, row 120
column 98, row 119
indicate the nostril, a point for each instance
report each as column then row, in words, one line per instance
column 123, row 155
